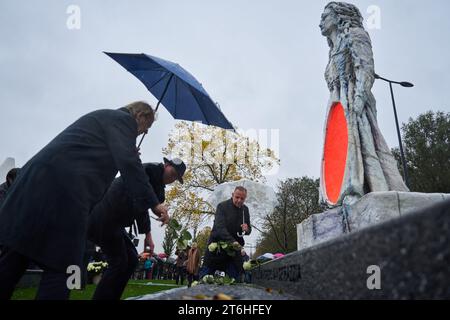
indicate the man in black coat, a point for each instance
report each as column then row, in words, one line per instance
column 231, row 223
column 115, row 212
column 10, row 177
column 44, row 216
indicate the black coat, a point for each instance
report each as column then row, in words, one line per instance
column 44, row 215
column 116, row 210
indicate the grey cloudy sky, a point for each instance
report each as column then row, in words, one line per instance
column 263, row 61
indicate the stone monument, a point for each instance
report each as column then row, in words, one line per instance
column 356, row 158
column 374, row 227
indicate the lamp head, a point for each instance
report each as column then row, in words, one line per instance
column 406, row 84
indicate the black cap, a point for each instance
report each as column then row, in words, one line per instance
column 179, row 166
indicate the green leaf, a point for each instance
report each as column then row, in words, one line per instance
column 173, row 223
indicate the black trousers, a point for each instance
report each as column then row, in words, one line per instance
column 191, row 278
column 53, row 285
column 179, row 277
column 122, row 259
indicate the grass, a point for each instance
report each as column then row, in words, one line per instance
column 133, row 289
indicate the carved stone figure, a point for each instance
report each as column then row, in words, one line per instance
column 356, row 158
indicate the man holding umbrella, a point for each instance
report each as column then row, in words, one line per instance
column 231, row 223
column 115, row 212
column 44, row 215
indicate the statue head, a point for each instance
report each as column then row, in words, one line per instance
column 340, row 17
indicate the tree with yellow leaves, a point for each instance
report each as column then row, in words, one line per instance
column 213, row 156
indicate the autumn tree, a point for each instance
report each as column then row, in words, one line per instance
column 213, row 156
column 202, row 239
column 297, row 198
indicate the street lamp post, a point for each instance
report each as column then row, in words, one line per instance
column 402, row 154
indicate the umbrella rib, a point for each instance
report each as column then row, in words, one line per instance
column 189, row 87
column 159, row 80
column 176, row 96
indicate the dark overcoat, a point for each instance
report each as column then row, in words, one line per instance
column 227, row 224
column 45, row 213
column 115, row 211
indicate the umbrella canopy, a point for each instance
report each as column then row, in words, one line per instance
column 260, row 199
column 180, row 93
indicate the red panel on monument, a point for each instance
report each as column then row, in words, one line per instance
column 335, row 152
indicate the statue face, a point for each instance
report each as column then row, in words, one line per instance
column 327, row 23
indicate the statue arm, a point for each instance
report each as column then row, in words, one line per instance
column 363, row 66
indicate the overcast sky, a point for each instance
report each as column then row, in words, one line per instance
column 263, row 61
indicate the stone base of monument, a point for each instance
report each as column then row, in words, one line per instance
column 403, row 258
column 30, row 279
column 371, row 209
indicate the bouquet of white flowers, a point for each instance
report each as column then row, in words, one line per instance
column 229, row 247
column 218, row 278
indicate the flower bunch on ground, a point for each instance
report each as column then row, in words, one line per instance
column 217, row 279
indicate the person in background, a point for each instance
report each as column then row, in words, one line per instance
column 180, row 265
column 147, row 268
column 193, row 264
column 152, row 270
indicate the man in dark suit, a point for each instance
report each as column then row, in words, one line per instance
column 44, row 215
column 231, row 223
column 115, row 212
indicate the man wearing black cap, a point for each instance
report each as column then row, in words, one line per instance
column 109, row 218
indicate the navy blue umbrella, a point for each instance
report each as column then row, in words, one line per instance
column 182, row 95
